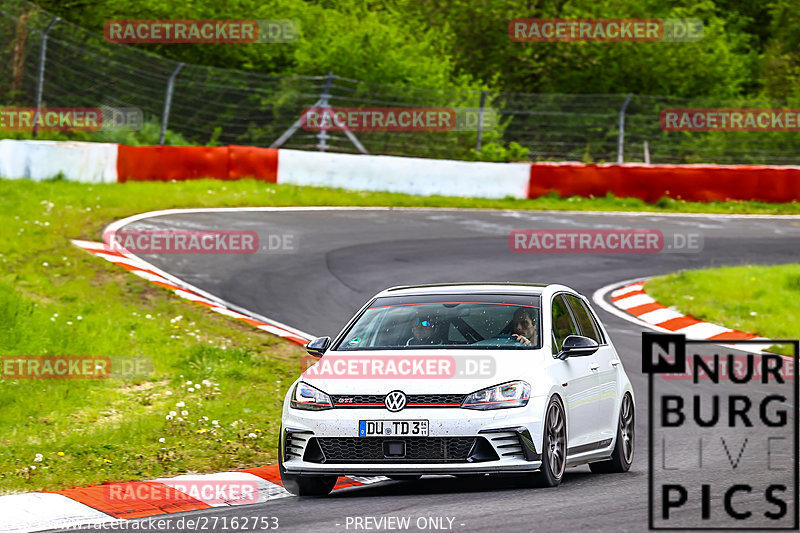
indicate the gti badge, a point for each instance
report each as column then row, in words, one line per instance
column 395, row 401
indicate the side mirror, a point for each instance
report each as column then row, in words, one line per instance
column 577, row 346
column 318, row 346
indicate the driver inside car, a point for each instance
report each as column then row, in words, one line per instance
column 523, row 327
column 425, row 330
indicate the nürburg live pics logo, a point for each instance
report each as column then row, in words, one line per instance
column 723, row 433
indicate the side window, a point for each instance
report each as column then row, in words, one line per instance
column 587, row 325
column 563, row 325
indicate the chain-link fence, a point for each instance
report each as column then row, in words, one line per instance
column 220, row 106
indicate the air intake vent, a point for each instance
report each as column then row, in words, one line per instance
column 372, row 450
column 294, row 442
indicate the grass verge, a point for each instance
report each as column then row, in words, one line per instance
column 57, row 299
column 764, row 300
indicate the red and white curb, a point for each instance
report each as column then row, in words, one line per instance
column 149, row 272
column 629, row 301
column 40, row 511
column 85, row 506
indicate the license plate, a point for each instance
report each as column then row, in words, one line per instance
column 393, row 428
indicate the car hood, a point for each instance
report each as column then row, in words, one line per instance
column 420, row 371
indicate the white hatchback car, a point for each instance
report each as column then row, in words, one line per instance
column 460, row 379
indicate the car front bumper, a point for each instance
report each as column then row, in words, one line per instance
column 459, row 441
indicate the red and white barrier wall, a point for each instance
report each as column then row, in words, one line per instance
column 699, row 183
column 410, row 175
column 165, row 163
column 40, row 160
column 98, row 162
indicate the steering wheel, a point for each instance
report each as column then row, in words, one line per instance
column 500, row 340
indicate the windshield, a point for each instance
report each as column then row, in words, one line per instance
column 447, row 321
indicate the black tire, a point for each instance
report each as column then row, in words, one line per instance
column 622, row 455
column 405, row 477
column 303, row 485
column 554, row 446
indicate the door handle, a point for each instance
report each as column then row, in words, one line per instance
column 615, row 362
column 593, row 367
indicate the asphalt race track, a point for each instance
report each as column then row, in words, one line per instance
column 342, row 257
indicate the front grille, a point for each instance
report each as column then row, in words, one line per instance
column 412, row 400
column 358, row 400
column 435, row 400
column 418, row 449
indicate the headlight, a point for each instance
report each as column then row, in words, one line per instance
column 511, row 394
column 306, row 397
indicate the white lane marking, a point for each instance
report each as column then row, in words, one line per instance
column 271, row 329
column 634, row 301
column 626, row 290
column 228, row 312
column 136, row 263
column 151, row 277
column 702, row 330
column 659, row 315
column 210, row 298
column 599, row 298
column 90, row 245
column 193, row 297
column 137, row 269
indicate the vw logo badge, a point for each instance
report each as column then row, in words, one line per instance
column 395, row 401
